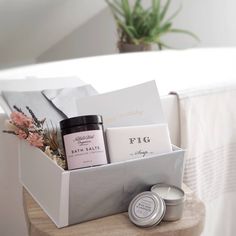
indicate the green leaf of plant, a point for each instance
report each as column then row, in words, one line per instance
column 136, row 7
column 127, row 30
column 156, row 4
column 133, row 31
column 180, row 31
column 162, row 30
column 141, row 19
column 164, row 45
column 175, row 13
column 117, row 3
column 115, row 9
column 165, row 9
column 127, row 11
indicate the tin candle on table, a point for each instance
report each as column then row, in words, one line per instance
column 147, row 209
column 174, row 199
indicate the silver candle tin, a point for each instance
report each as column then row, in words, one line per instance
column 174, row 207
column 147, row 209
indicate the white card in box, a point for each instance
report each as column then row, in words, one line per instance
column 70, row 197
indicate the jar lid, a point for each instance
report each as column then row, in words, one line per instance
column 147, row 209
column 81, row 120
column 172, row 195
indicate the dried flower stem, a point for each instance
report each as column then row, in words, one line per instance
column 37, row 122
column 18, row 109
column 9, row 132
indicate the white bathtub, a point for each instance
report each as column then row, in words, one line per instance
column 172, row 70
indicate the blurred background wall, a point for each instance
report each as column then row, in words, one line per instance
column 47, row 30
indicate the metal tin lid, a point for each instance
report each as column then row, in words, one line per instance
column 172, row 196
column 81, row 120
column 146, row 209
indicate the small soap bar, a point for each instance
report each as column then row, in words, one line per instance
column 132, row 142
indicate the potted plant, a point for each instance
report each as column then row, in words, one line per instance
column 140, row 27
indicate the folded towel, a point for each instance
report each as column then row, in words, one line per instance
column 208, row 132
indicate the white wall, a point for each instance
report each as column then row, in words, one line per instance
column 212, row 20
column 96, row 37
column 47, row 30
column 30, row 27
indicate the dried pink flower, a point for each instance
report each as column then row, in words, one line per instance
column 21, row 134
column 35, row 140
column 20, row 119
column 32, row 130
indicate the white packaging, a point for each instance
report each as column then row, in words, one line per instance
column 126, row 143
column 137, row 105
column 70, row 197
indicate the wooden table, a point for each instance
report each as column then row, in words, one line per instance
column 191, row 224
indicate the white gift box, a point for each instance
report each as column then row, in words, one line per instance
column 70, row 197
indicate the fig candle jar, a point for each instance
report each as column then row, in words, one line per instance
column 174, row 199
column 83, row 140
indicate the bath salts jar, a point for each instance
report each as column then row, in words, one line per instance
column 83, row 140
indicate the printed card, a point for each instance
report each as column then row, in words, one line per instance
column 138, row 105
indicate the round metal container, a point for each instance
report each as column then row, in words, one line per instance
column 174, row 202
column 147, row 209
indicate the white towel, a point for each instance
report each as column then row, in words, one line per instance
column 208, row 132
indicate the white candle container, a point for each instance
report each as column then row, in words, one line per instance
column 147, row 209
column 174, row 198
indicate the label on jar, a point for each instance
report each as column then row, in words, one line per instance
column 144, row 207
column 84, row 149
